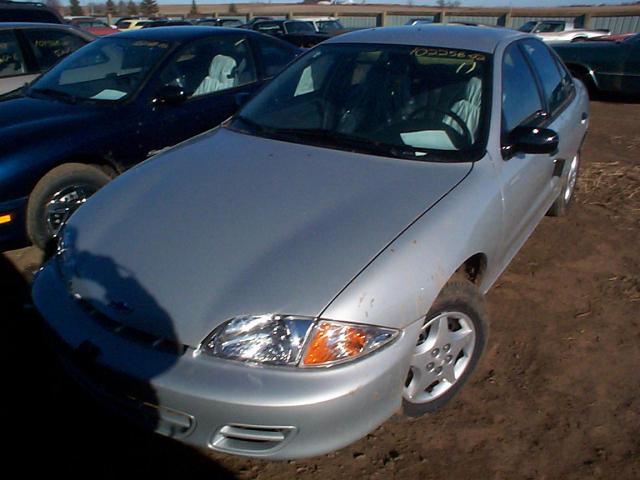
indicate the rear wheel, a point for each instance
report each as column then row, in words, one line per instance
column 559, row 207
column 57, row 195
column 448, row 348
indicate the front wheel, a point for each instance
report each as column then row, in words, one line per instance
column 448, row 348
column 57, row 195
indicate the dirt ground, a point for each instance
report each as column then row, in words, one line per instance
column 557, row 394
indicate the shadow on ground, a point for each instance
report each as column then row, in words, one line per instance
column 53, row 427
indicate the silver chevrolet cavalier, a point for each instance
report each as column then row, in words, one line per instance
column 280, row 286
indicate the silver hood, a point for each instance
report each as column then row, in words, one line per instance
column 229, row 224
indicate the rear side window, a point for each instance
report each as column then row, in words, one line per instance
column 11, row 61
column 548, row 72
column 49, row 46
column 274, row 56
column 520, row 96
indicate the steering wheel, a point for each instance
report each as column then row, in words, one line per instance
column 466, row 136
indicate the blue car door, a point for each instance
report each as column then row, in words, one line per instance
column 205, row 78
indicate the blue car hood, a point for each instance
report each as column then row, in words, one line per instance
column 27, row 119
column 229, row 224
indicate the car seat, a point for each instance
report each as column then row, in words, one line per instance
column 468, row 108
column 221, row 76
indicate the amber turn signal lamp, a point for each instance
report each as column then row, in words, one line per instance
column 332, row 342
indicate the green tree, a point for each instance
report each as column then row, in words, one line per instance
column 132, row 8
column 74, row 8
column 194, row 9
column 149, row 7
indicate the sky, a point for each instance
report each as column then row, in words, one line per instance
column 465, row 3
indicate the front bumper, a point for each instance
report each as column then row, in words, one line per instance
column 222, row 405
column 14, row 233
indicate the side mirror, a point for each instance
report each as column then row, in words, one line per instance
column 242, row 98
column 171, row 95
column 532, row 140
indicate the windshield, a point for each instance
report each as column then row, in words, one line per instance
column 329, row 25
column 299, row 27
column 527, row 27
column 105, row 70
column 402, row 101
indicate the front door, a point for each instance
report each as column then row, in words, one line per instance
column 525, row 178
column 211, row 72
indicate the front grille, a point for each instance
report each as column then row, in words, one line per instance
column 133, row 334
column 251, row 439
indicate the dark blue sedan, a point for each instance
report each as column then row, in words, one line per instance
column 112, row 104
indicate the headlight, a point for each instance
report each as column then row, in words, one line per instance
column 294, row 341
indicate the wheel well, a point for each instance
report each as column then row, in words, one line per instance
column 104, row 164
column 474, row 267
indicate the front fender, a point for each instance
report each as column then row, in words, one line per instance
column 400, row 284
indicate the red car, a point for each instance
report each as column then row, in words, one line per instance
column 92, row 25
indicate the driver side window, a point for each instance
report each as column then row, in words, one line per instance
column 520, row 96
column 210, row 66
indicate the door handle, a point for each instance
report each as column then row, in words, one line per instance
column 584, row 117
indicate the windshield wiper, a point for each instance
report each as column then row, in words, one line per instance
column 343, row 141
column 51, row 92
column 333, row 139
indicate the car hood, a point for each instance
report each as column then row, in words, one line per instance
column 229, row 224
column 25, row 119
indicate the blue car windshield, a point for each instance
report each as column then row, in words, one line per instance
column 411, row 102
column 106, row 70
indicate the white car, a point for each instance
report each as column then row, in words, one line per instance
column 323, row 24
column 560, row 31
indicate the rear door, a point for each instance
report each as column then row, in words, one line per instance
column 563, row 114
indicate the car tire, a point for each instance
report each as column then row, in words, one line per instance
column 565, row 197
column 57, row 195
column 452, row 340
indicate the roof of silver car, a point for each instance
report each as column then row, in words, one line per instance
column 441, row 36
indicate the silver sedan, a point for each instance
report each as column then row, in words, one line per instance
column 280, row 286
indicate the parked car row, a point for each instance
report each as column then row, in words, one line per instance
column 112, row 104
column 281, row 285
column 560, row 31
column 605, row 66
column 92, row 25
